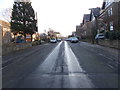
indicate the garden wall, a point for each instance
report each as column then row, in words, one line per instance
column 14, row 47
column 110, row 43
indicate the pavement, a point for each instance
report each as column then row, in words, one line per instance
column 62, row 65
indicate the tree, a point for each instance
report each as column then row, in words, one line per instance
column 32, row 22
column 23, row 19
column 51, row 33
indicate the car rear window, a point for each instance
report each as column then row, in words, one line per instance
column 100, row 35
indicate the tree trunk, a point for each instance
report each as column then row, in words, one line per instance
column 14, row 38
column 25, row 37
column 31, row 37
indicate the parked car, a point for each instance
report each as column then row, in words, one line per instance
column 20, row 39
column 99, row 36
column 53, row 40
column 68, row 39
column 74, row 40
column 58, row 39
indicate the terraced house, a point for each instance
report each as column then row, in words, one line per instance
column 6, row 33
column 109, row 19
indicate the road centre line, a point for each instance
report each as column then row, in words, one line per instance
column 49, row 62
column 74, row 66
column 72, row 61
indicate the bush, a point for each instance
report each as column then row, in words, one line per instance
column 102, row 31
column 118, row 35
column 112, row 35
column 36, row 43
column 107, row 35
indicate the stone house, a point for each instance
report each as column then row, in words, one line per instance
column 84, row 29
column 5, row 32
column 109, row 16
column 86, row 26
column 94, row 14
column 78, row 31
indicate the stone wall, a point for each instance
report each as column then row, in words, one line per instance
column 8, row 48
column 110, row 43
column 0, row 40
column 6, row 32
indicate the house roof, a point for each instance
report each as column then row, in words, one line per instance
column 95, row 11
column 86, row 17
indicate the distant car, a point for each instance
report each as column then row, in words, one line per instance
column 74, row 40
column 58, row 39
column 68, row 39
column 99, row 36
column 53, row 40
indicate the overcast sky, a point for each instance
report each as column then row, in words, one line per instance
column 60, row 15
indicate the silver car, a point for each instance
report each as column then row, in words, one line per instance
column 74, row 40
column 99, row 36
column 53, row 40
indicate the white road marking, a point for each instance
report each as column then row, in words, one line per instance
column 49, row 62
column 73, row 64
column 110, row 66
column 80, row 80
column 105, row 56
column 18, row 58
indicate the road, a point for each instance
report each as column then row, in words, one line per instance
column 64, row 65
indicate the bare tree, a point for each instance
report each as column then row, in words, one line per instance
column 6, row 14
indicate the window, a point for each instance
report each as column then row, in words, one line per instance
column 85, row 32
column 93, row 18
column 110, row 12
column 111, row 26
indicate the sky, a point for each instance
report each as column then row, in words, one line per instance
column 59, row 15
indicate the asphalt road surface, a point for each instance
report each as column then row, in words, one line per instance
column 64, row 65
